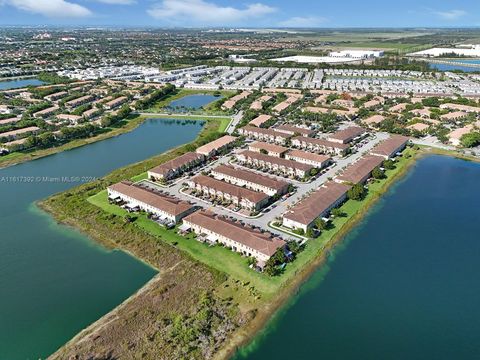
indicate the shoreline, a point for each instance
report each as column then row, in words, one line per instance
column 131, row 125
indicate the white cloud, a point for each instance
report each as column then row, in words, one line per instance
column 303, row 21
column 50, row 8
column 118, row 2
column 206, row 13
column 451, row 14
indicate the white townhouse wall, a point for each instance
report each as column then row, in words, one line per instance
column 182, row 209
column 250, row 180
column 318, row 161
column 241, row 239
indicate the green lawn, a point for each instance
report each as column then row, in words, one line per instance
column 233, row 264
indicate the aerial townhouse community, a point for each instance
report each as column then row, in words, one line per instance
column 277, row 177
column 230, row 190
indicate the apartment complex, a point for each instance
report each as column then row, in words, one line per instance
column 245, row 198
column 345, row 136
column 216, row 146
column 316, row 205
column 320, row 145
column 176, row 167
column 250, row 180
column 249, row 242
column 270, row 149
column 153, row 202
column 260, row 120
column 390, row 147
column 284, row 166
column 360, row 171
column 316, row 160
column 268, row 135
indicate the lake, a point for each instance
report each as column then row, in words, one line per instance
column 404, row 284
column 54, row 281
column 192, row 102
column 456, row 65
column 16, row 84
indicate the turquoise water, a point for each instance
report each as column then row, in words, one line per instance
column 193, row 102
column 16, row 84
column 54, row 281
column 404, row 284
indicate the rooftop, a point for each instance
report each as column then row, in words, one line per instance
column 263, row 242
column 162, row 202
column 268, row 147
column 176, row 163
column 309, row 156
column 357, row 171
column 346, row 134
column 307, row 210
column 251, row 177
column 216, row 144
column 387, row 147
column 226, row 188
column 321, row 142
column 276, row 160
column 259, row 120
column 289, row 129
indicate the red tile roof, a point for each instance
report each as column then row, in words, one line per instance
column 264, row 243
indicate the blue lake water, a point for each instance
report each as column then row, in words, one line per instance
column 451, row 67
column 16, row 84
column 194, row 102
column 55, row 281
column 404, row 284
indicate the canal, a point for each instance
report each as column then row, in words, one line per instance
column 55, row 281
column 404, row 284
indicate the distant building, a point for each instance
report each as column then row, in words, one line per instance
column 79, row 101
column 357, row 54
column 112, row 104
column 454, row 116
column 13, row 134
column 45, row 112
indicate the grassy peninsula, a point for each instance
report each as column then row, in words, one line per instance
column 224, row 303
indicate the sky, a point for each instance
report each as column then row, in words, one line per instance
column 240, row 13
